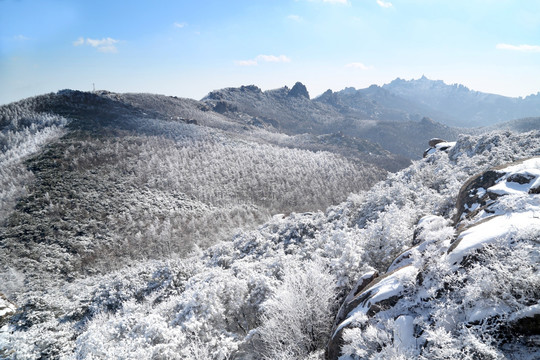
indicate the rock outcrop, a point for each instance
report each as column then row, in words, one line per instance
column 299, row 90
column 437, row 144
column 7, row 310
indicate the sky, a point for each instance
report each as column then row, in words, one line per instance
column 189, row 48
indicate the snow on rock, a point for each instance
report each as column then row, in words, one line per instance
column 7, row 309
column 512, row 207
column 381, row 294
column 404, row 339
column 438, row 145
column 487, row 232
column 449, row 282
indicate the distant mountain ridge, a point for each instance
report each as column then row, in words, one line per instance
column 462, row 106
column 400, row 100
column 394, row 115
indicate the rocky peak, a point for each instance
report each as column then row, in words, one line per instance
column 299, row 90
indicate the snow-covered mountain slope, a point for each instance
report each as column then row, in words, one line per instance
column 470, row 290
column 456, row 105
column 93, row 181
column 274, row 292
column 354, row 113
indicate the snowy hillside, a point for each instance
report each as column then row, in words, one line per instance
column 467, row 290
column 94, row 181
column 455, row 291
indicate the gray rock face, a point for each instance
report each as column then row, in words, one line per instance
column 299, row 90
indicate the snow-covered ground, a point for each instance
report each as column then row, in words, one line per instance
column 478, row 284
column 273, row 293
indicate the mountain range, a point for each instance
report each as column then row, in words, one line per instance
column 237, row 226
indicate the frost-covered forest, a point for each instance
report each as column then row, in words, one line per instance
column 142, row 188
column 131, row 235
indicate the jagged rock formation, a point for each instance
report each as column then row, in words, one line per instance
column 497, row 217
column 299, row 90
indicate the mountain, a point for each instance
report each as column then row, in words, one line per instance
column 93, row 181
column 518, row 125
column 350, row 112
column 453, row 237
column 263, row 224
column 457, row 105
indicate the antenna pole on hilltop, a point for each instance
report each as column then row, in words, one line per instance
column 94, row 85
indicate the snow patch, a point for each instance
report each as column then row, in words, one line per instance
column 529, row 311
column 445, row 145
column 387, row 287
column 404, row 339
column 6, row 307
column 491, row 230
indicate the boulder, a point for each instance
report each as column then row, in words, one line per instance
column 435, row 141
column 526, row 321
column 380, row 294
column 474, row 196
column 438, row 145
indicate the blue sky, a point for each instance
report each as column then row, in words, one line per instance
column 188, row 48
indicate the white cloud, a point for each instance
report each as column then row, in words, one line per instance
column 273, row 58
column 384, row 4
column 78, row 42
column 263, row 58
column 295, row 18
column 523, row 48
column 358, row 65
column 21, row 38
column 179, row 25
column 102, row 42
column 105, row 45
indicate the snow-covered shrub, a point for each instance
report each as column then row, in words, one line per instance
column 296, row 319
column 226, row 301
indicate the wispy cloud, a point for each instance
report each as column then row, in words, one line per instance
column 522, row 48
column 263, row 58
column 273, row 58
column 21, row 38
column 384, row 4
column 105, row 45
column 358, row 65
column 79, row 42
column 295, row 18
column 179, row 25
